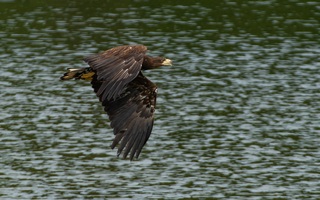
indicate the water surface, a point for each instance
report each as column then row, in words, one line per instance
column 237, row 114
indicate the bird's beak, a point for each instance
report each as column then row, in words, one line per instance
column 167, row 62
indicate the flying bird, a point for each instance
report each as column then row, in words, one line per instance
column 128, row 97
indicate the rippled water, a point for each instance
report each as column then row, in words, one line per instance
column 237, row 114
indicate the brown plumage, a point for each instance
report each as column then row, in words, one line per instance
column 128, row 97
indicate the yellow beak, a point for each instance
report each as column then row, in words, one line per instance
column 167, row 62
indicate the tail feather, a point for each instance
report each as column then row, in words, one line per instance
column 78, row 73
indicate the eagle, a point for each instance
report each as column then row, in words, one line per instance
column 128, row 97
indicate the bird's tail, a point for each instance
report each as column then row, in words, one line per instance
column 78, row 73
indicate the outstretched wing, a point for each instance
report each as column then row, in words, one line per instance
column 131, row 114
column 116, row 67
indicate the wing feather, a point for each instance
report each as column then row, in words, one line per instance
column 133, row 136
column 131, row 114
column 116, row 67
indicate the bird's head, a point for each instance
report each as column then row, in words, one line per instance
column 159, row 61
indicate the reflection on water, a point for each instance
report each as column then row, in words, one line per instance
column 237, row 115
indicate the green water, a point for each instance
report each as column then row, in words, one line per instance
column 237, row 114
